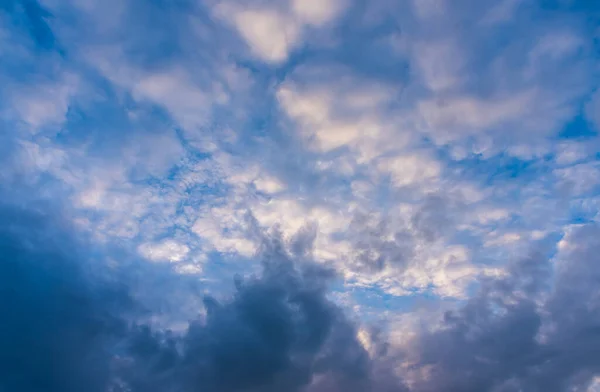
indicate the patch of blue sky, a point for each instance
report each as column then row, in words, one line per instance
column 502, row 168
column 31, row 17
column 579, row 129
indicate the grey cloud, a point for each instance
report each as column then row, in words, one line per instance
column 533, row 329
column 377, row 244
column 58, row 318
column 278, row 332
column 303, row 241
column 71, row 324
column 433, row 218
column 380, row 243
column 536, row 329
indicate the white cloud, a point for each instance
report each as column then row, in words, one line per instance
column 504, row 239
column 273, row 32
column 270, row 34
column 345, row 112
column 429, row 8
column 188, row 95
column 223, row 229
column 594, row 385
column 490, row 215
column 46, row 104
column 167, row 250
column 579, row 179
column 268, row 185
column 413, row 169
column 175, row 91
column 317, row 12
column 37, row 158
column 440, row 64
column 453, row 118
column 570, row 152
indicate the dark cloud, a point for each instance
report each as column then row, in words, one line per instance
column 535, row 329
column 70, row 324
column 57, row 319
column 278, row 332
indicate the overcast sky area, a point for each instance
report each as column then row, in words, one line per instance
column 299, row 195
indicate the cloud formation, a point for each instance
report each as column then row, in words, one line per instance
column 533, row 329
column 75, row 323
column 72, row 324
column 409, row 189
column 59, row 317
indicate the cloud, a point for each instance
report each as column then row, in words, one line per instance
column 533, row 327
column 410, row 170
column 429, row 167
column 47, row 105
column 317, row 12
column 272, row 30
column 344, row 111
column 440, row 64
column 579, row 179
column 520, row 332
column 167, row 250
column 270, row 34
column 74, row 324
column 277, row 332
column 60, row 316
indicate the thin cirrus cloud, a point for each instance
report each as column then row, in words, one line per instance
column 405, row 194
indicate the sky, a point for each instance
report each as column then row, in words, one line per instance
column 300, row 195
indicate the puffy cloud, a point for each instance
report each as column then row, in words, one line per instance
column 341, row 112
column 270, row 34
column 410, row 170
column 532, row 327
column 167, row 250
column 277, row 332
column 317, row 12
column 273, row 31
column 520, row 332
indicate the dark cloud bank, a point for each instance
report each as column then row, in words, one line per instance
column 70, row 323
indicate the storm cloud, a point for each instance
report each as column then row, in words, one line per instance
column 536, row 328
column 59, row 318
column 70, row 324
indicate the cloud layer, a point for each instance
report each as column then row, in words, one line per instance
column 407, row 190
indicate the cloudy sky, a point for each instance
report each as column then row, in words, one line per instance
column 299, row 195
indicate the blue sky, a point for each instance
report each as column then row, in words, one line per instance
column 425, row 151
